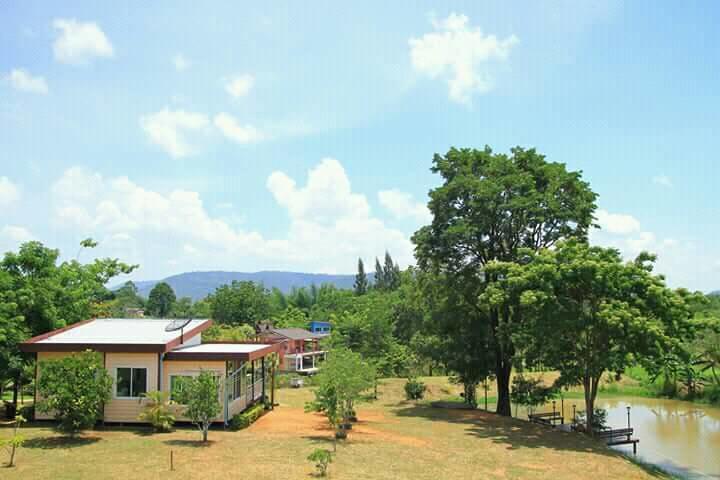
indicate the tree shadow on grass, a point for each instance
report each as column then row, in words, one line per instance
column 511, row 432
column 189, row 443
column 47, row 443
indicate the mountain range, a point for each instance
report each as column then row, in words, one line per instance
column 198, row 285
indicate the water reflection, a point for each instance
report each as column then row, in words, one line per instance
column 679, row 436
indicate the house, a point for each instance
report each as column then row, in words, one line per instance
column 300, row 348
column 320, row 327
column 143, row 354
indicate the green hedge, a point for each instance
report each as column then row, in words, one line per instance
column 246, row 418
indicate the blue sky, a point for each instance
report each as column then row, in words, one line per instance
column 239, row 136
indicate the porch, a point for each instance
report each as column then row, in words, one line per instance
column 249, row 371
column 304, row 362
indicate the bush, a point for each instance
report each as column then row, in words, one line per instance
column 248, row 417
column 599, row 419
column 74, row 389
column 414, row 389
column 158, row 412
column 322, row 459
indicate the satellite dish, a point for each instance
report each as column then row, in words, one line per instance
column 177, row 324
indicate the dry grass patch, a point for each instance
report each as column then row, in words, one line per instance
column 394, row 439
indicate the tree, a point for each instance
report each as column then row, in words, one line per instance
column 586, row 312
column 380, row 283
column 161, row 300
column 530, row 392
column 340, row 383
column 488, row 208
column 201, row 399
column 14, row 442
column 74, row 389
column 158, row 411
column 292, row 317
column 183, row 308
column 127, row 297
column 229, row 333
column 240, row 303
column 391, row 273
column 38, row 294
column 361, row 281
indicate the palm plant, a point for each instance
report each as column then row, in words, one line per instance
column 158, row 411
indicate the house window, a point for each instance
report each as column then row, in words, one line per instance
column 130, row 382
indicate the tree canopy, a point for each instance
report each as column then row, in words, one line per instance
column 489, row 207
column 161, row 300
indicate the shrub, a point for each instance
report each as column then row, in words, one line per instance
column 74, row 389
column 158, row 411
column 248, row 417
column 322, row 459
column 414, row 389
column 599, row 419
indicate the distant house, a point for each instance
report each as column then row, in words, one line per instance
column 301, row 348
column 142, row 355
column 320, row 327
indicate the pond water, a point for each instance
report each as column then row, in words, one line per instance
column 680, row 437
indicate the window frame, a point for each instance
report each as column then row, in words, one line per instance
column 131, row 368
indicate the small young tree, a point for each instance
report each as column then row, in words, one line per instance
column 14, row 442
column 341, row 382
column 322, row 459
column 74, row 389
column 158, row 411
column 200, row 396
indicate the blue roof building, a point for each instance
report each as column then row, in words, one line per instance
column 320, row 327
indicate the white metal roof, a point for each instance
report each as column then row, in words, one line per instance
column 121, row 331
column 222, row 348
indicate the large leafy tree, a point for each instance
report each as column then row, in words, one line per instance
column 38, row 293
column 488, row 208
column 240, row 303
column 161, row 300
column 587, row 312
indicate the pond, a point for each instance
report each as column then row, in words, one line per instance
column 680, row 437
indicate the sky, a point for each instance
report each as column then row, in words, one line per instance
column 299, row 136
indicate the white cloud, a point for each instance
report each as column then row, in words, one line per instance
column 22, row 80
column 617, row 223
column 330, row 225
column 169, row 128
column 79, row 42
column 229, row 127
column 662, row 180
column 401, row 205
column 239, row 85
column 16, row 234
column 461, row 54
column 9, row 192
column 180, row 62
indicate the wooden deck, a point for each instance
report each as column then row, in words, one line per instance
column 620, row 436
column 550, row 418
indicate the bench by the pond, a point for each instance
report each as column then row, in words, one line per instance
column 549, row 418
column 620, row 436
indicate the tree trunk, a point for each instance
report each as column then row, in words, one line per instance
column 205, row 432
column 503, row 370
column 16, row 389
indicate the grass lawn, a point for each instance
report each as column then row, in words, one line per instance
column 394, row 439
